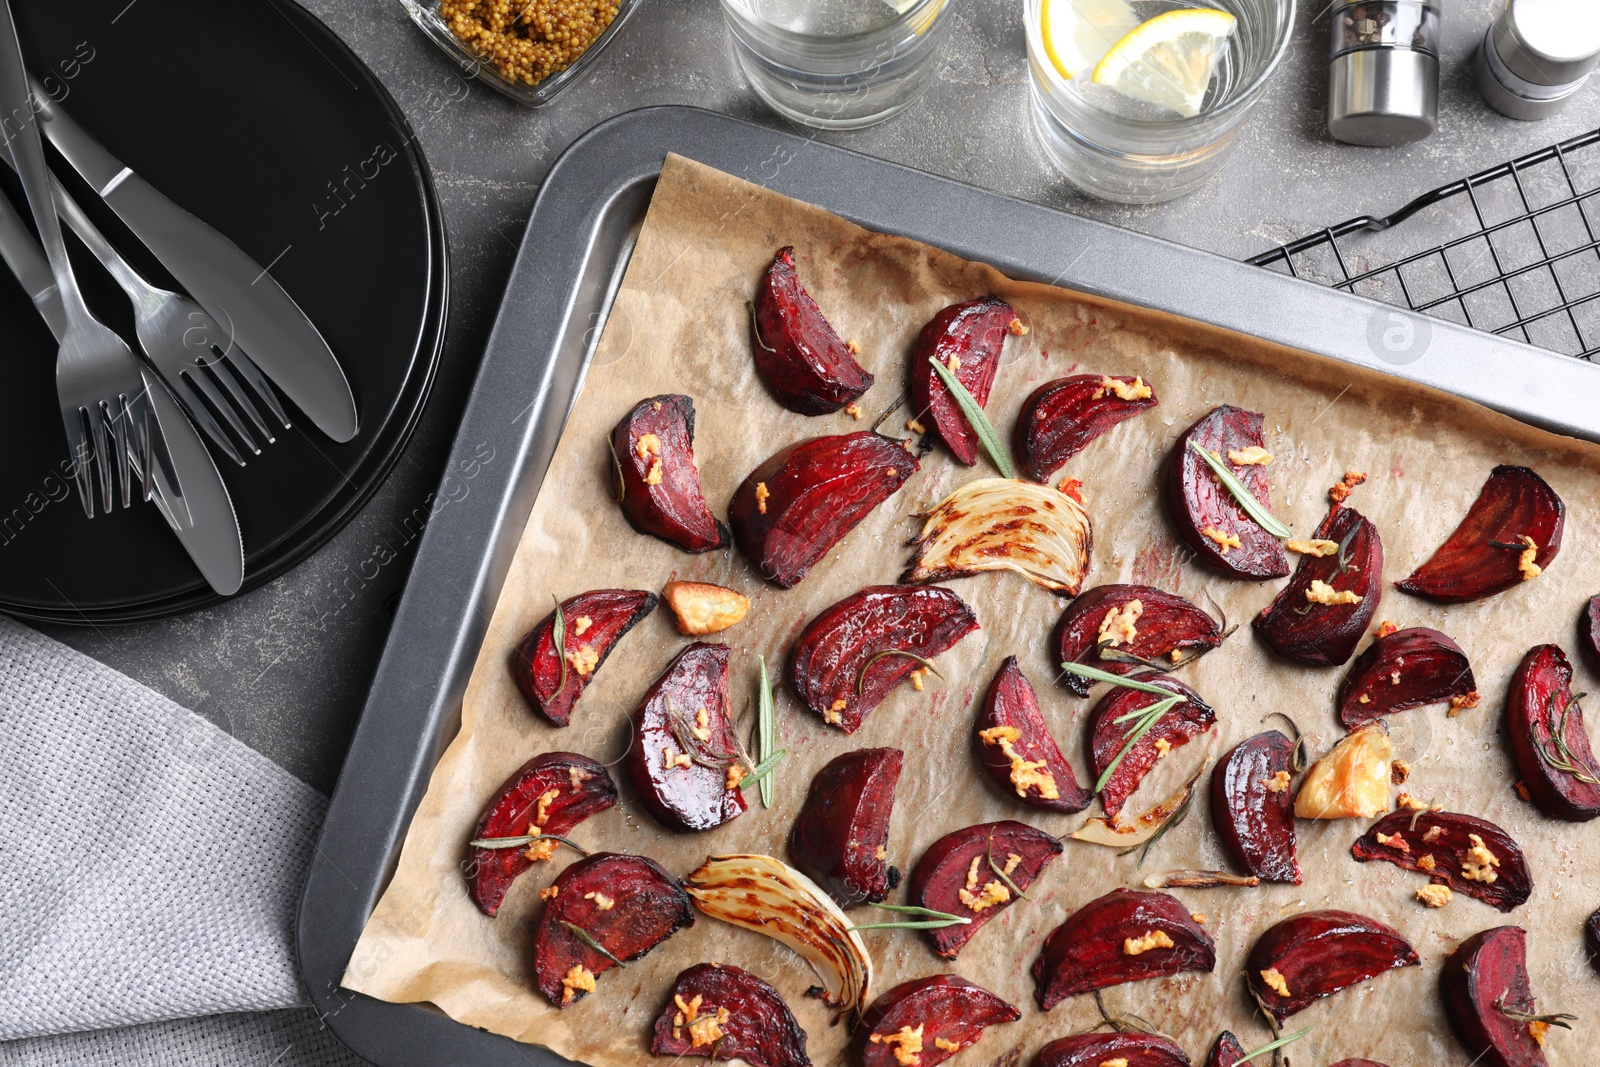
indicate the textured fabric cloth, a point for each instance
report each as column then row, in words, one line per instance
column 269, row 1039
column 150, row 864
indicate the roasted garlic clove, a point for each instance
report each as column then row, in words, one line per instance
column 807, row 365
column 1062, row 416
column 1510, row 535
column 552, row 668
column 1316, row 954
column 1352, row 781
column 1125, row 936
column 701, row 608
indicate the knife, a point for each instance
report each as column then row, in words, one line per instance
column 232, row 287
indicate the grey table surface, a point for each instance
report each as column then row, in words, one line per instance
column 286, row 668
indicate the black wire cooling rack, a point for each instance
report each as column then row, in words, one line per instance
column 1524, row 260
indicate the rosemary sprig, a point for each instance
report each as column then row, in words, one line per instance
column 1556, row 751
column 755, row 328
column 861, row 677
column 929, row 924
column 1094, row 674
column 523, row 841
column 698, row 751
column 588, row 939
column 1199, row 880
column 616, row 467
column 1003, row 876
column 1169, row 823
column 1344, row 548
column 1151, row 715
column 1252, row 507
column 976, row 419
column 1517, row 1015
column 1273, row 1046
column 761, row 773
column 914, row 909
column 766, row 733
column 558, row 634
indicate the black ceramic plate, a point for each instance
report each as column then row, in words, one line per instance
column 252, row 115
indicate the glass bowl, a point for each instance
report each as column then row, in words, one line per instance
column 425, row 13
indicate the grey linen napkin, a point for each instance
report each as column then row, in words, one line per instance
column 150, row 869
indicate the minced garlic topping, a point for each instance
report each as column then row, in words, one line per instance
column 1025, row 774
column 580, row 978
column 881, row 854
column 1479, row 863
column 550, row 892
column 1394, row 841
column 1323, row 593
column 1254, row 456
column 1134, row 390
column 1117, row 628
column 1407, row 802
column 541, row 812
column 954, row 362
column 577, row 776
column 1133, row 946
column 1278, row 782
column 1120, row 1061
column 833, row 713
column 1433, row 834
column 707, row 1029
column 1198, row 916
column 1427, row 862
column 761, row 497
column 601, row 901
column 736, row 774
column 1163, row 746
column 991, row 894
column 1317, row 547
column 1364, row 699
column 1525, row 562
column 944, row 1044
column 583, row 659
column 702, row 725
column 1464, row 701
column 1399, row 771
column 908, row 1042
column 854, row 411
column 647, row 445
column 1538, row 1029
column 916, row 679
column 1341, row 491
column 580, row 624
column 1275, row 981
column 671, row 759
column 539, row 851
column 915, row 426
column 654, row 474
column 1016, row 328
column 853, row 347
column 1434, row 896
column 1225, row 541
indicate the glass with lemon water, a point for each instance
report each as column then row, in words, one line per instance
column 1138, row 100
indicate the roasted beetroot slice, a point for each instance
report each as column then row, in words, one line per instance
column 1358, row 1063
column 945, row 880
column 1096, row 1050
column 1063, row 416
column 1317, row 953
column 1015, row 746
column 1483, row 978
column 683, row 763
column 973, row 334
column 807, row 365
column 1252, row 806
column 798, row 504
column 653, row 455
column 1514, row 503
column 1449, row 848
column 1198, row 502
column 1591, row 938
column 865, row 632
column 841, row 836
column 626, row 904
column 1125, row 936
column 550, row 794
column 1227, row 1052
column 726, row 1013
column 1560, row 773
column 1326, row 634
column 536, row 666
column 946, row 1011
column 1589, row 631
column 1406, row 669
column 1107, row 736
column 1163, row 623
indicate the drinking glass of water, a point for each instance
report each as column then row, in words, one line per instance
column 1138, row 101
column 838, row 64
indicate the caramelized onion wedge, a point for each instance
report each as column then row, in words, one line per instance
column 1198, row 502
column 1316, row 954
column 1549, row 744
column 1471, row 564
column 1253, row 807
column 997, row 524
column 803, row 360
column 1016, row 749
column 1309, row 620
column 659, row 483
column 1468, row 854
column 1112, row 621
column 943, row 1013
column 768, row 896
column 1405, row 669
column 1061, row 417
column 1142, row 828
column 1489, row 1001
column 973, row 334
column 1097, row 1050
column 726, row 1013
column 1125, row 936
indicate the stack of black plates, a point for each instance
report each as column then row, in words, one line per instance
column 253, row 116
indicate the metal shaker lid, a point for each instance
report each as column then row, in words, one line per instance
column 1383, row 96
column 1548, row 42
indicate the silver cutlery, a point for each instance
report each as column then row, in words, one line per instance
column 237, row 292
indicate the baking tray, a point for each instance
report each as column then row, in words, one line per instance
column 570, row 263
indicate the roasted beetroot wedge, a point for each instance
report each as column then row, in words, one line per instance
column 1063, row 416
column 798, row 504
column 1227, row 1052
column 550, row 794
column 1107, row 736
column 658, row 484
column 1015, row 746
column 841, row 836
column 683, row 762
column 1468, row 854
column 961, row 874
column 1108, row 624
column 1510, row 534
column 723, row 1012
column 1206, row 516
column 1358, row 1063
column 1321, row 615
column 851, row 655
column 1404, row 669
column 552, row 673
column 1489, row 1002
column 625, row 904
column 1591, row 939
column 1125, row 936
column 1097, row 1050
column 1316, row 954
column 1589, row 631
column 1549, row 744
column 1252, row 806
column 927, row 1020
column 807, row 365
column 967, row 339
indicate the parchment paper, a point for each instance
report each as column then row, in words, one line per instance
column 680, row 325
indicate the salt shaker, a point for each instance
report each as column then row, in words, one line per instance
column 1537, row 55
column 1383, row 73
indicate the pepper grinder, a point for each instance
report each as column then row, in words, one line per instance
column 1383, row 72
column 1537, row 54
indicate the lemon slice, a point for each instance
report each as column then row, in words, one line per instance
column 1170, row 59
column 1078, row 33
